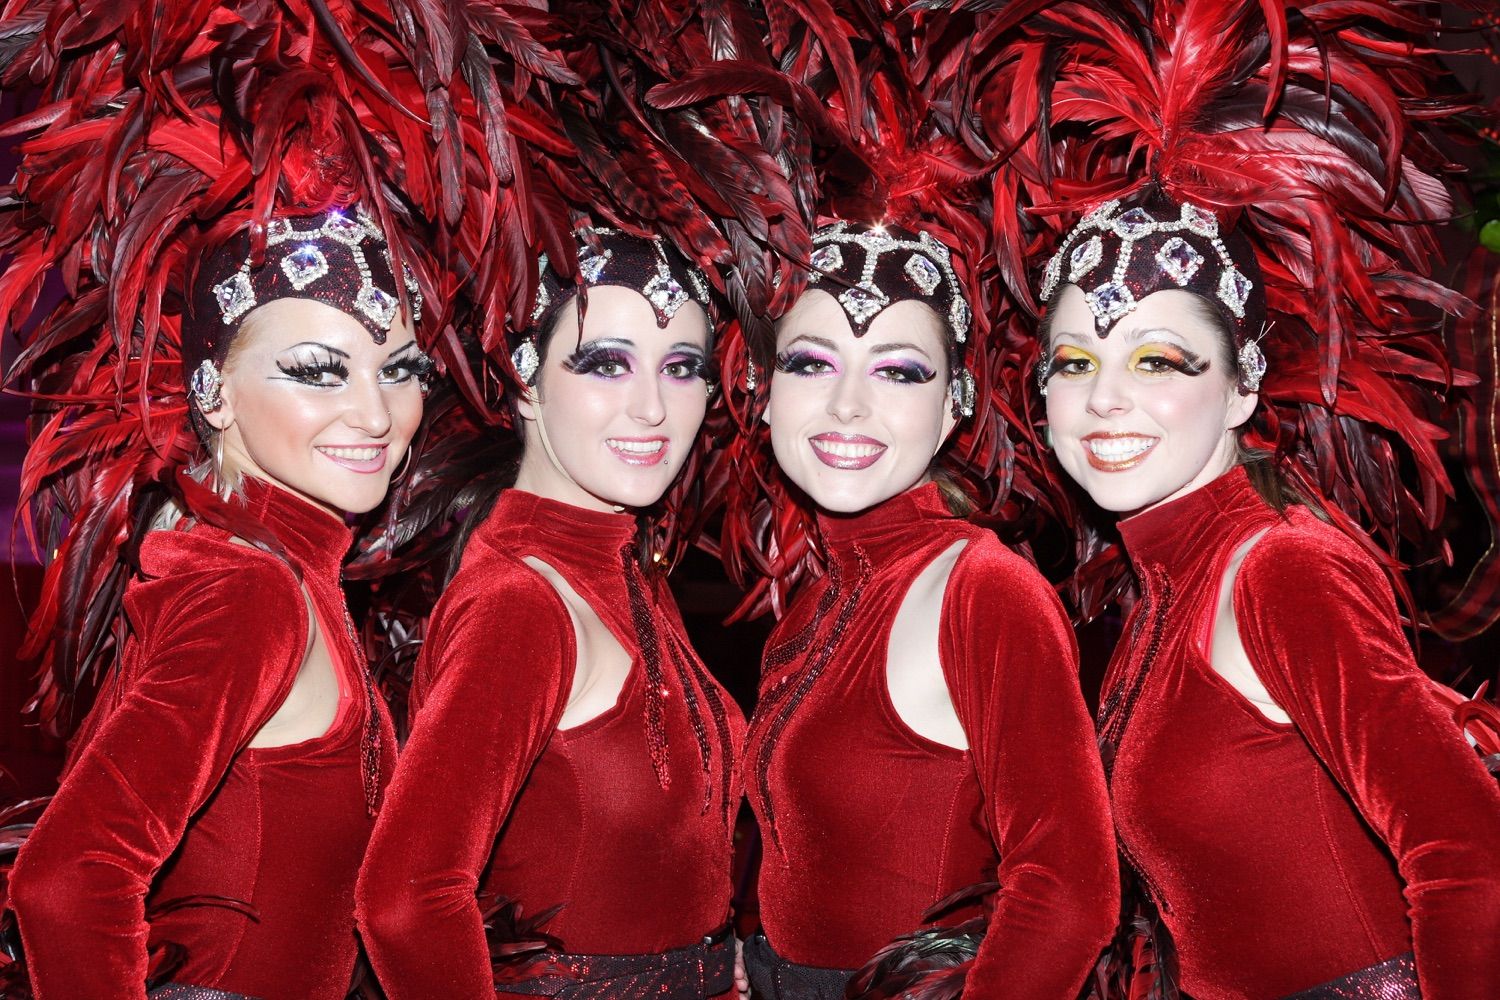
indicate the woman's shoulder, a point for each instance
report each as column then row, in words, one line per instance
column 495, row 578
column 197, row 556
column 1302, row 543
column 987, row 561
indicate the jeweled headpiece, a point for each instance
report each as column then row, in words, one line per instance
column 648, row 265
column 869, row 268
column 1119, row 255
column 338, row 257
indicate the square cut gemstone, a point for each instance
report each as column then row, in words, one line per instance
column 1134, row 224
column 235, row 295
column 1234, row 290
column 377, row 304
column 344, row 229
column 664, row 293
column 1178, row 260
column 304, row 265
column 279, row 231
column 923, row 273
column 1204, row 223
column 827, row 258
column 861, row 304
column 1109, row 302
column 1084, row 258
column 876, row 242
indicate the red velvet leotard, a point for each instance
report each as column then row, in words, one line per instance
column 637, row 856
column 163, row 801
column 866, row 824
column 1279, row 853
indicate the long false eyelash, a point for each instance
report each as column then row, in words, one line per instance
column 418, row 363
column 913, row 372
column 1183, row 361
column 587, row 360
column 696, row 364
column 308, row 367
column 789, row 362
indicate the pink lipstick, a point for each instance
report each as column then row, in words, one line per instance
column 847, row 451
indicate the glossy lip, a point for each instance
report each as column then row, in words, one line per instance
column 821, row 442
column 1120, row 465
column 630, row 457
column 364, row 466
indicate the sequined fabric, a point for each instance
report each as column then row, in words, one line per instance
column 177, row 991
column 702, row 970
column 774, row 978
column 1394, row 979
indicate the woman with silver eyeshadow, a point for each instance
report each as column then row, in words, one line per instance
column 920, row 729
column 1227, row 348
column 569, row 754
column 230, row 368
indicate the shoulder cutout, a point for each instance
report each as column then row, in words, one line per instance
column 914, row 670
column 601, row 663
column 1226, row 652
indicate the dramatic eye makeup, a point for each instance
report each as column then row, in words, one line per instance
column 408, row 363
column 314, row 364
column 903, row 370
column 685, row 363
column 1159, row 359
column 1070, row 361
column 805, row 361
column 604, row 358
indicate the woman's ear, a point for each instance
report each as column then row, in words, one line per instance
column 1240, row 408
column 221, row 417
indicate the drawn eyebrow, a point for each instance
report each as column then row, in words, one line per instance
column 400, row 350
column 899, row 346
column 813, row 339
column 326, row 347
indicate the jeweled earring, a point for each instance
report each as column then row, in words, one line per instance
column 205, row 386
column 961, row 393
column 1252, row 365
column 750, row 373
column 526, row 360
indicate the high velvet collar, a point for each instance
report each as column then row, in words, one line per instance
column 314, row 538
column 1202, row 523
column 901, row 515
column 567, row 533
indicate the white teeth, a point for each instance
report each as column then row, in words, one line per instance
column 352, row 454
column 1119, row 449
column 848, row 449
column 636, row 447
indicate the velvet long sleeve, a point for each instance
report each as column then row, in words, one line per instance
column 1011, row 663
column 492, row 683
column 202, row 678
column 1319, row 624
column 619, row 827
column 867, row 824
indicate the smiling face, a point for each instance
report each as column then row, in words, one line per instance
column 1148, row 413
column 857, row 420
column 612, row 417
column 312, row 404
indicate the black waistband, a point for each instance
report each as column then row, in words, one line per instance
column 774, row 978
column 700, row 970
column 1393, row 979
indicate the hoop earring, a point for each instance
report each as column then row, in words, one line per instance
column 402, row 467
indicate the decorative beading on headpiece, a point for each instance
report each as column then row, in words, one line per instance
column 338, row 257
column 876, row 266
column 1118, row 256
column 648, row 265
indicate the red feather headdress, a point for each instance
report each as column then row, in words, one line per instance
column 154, row 124
column 1317, row 132
column 877, row 138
